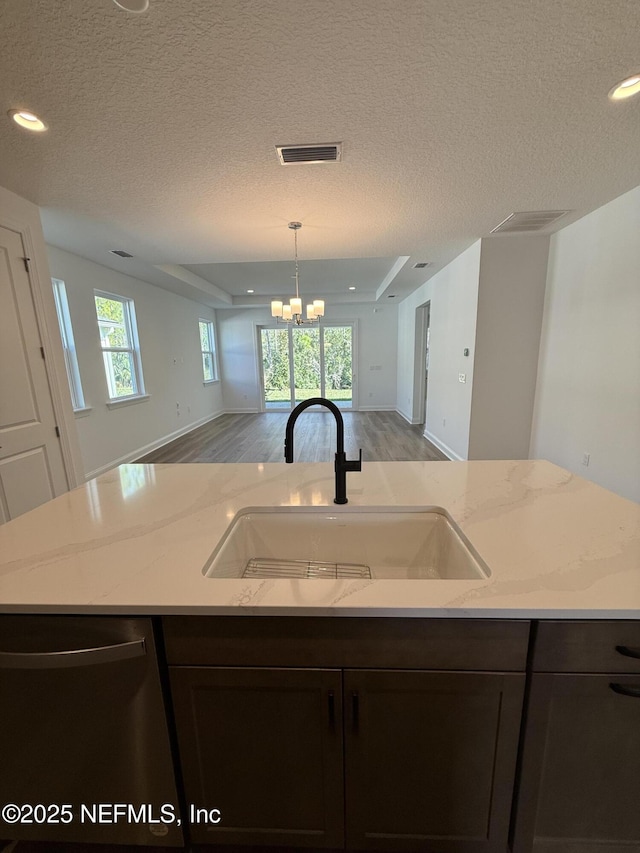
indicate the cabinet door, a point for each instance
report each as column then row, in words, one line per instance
column 430, row 759
column 264, row 747
column 580, row 787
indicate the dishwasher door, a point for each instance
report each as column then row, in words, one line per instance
column 82, row 725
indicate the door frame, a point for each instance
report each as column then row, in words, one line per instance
column 354, row 349
column 23, row 218
column 423, row 322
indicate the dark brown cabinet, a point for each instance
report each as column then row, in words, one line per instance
column 264, row 747
column 430, row 759
column 580, row 782
column 396, row 758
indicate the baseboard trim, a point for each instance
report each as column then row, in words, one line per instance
column 375, row 409
column 153, row 445
column 407, row 418
column 442, row 446
column 241, row 412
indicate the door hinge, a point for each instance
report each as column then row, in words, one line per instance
column 26, row 263
column 42, row 351
column 58, row 432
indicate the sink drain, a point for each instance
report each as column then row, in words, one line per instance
column 262, row 567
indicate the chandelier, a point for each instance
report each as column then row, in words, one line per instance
column 292, row 313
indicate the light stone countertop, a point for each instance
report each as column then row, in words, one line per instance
column 135, row 540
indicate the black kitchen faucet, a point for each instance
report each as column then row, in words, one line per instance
column 342, row 464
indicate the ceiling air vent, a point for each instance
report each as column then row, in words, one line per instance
column 120, row 253
column 290, row 155
column 421, row 265
column 529, row 220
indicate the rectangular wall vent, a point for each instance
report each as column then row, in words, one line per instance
column 328, row 152
column 421, row 265
column 120, row 253
column 529, row 220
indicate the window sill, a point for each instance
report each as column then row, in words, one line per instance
column 83, row 412
column 127, row 401
column 211, row 381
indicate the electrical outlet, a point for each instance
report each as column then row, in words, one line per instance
column 586, row 458
column 462, row 377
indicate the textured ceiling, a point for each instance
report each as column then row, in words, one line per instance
column 163, row 127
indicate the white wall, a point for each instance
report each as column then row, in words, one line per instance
column 238, row 353
column 453, row 293
column 171, row 364
column 588, row 390
column 376, row 331
column 513, row 273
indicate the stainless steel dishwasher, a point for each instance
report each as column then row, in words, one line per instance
column 85, row 754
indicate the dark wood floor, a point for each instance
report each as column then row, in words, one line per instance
column 383, row 437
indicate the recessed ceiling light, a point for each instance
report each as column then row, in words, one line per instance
column 352, row 288
column 135, row 6
column 626, row 88
column 250, row 291
column 28, row 120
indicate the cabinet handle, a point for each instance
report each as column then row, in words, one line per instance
column 627, row 652
column 634, row 692
column 332, row 709
column 355, row 706
column 72, row 657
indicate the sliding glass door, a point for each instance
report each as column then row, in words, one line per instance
column 276, row 368
column 306, row 363
column 299, row 362
column 338, row 365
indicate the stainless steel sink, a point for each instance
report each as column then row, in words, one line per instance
column 414, row 543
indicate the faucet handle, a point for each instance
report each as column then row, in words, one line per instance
column 353, row 464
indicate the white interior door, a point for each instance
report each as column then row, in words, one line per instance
column 31, row 463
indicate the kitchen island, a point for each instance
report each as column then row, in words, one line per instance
column 484, row 722
column 136, row 539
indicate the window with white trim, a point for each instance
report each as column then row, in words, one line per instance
column 68, row 343
column 120, row 345
column 208, row 347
